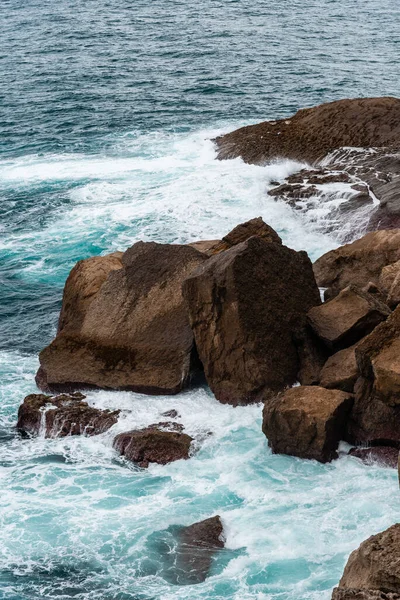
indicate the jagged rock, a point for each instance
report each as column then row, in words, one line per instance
column 340, row 371
column 244, row 305
column 59, row 416
column 313, row 355
column 197, row 545
column 376, row 413
column 243, row 232
column 82, row 285
column 375, row 564
column 307, row 421
column 389, row 283
column 385, row 456
column 135, row 334
column 205, row 246
column 358, row 263
column 314, row 132
column 172, row 414
column 357, row 594
column 347, row 318
column 152, row 445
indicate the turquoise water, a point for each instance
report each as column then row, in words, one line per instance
column 107, row 109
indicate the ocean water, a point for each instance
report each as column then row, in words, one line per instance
column 107, row 112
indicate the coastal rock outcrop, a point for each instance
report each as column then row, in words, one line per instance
column 82, row 285
column 153, row 445
column 307, row 421
column 135, row 333
column 384, row 456
column 245, row 305
column 340, row 371
column 59, row 416
column 376, row 413
column 358, row 263
column 347, row 318
column 357, row 594
column 312, row 133
column 375, row 564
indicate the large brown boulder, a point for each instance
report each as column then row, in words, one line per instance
column 375, row 564
column 82, row 285
column 347, row 318
column 314, row 132
column 245, row 305
column 340, row 371
column 358, row 263
column 307, row 421
column 59, row 416
column 376, row 413
column 389, row 283
column 243, row 232
column 135, row 333
column 153, row 445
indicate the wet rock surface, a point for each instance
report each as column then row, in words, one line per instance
column 244, row 305
column 62, row 415
column 136, row 333
column 154, row 444
column 375, row 564
column 347, row 318
column 357, row 594
column 385, row 456
column 307, row 421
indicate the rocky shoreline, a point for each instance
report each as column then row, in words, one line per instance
column 245, row 315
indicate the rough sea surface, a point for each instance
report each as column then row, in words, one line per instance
column 107, row 109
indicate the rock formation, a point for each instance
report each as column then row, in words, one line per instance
column 375, row 564
column 383, row 456
column 153, row 445
column 340, row 371
column 59, row 416
column 358, row 263
column 135, row 333
column 245, row 305
column 307, row 421
column 347, row 318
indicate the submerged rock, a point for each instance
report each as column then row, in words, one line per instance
column 153, row 445
column 245, row 305
column 307, row 421
column 312, row 133
column 347, row 318
column 197, row 545
column 375, row 564
column 358, row 263
column 59, row 416
column 385, row 456
column 135, row 333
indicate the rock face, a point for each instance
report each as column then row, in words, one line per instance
column 196, row 546
column 357, row 594
column 245, row 305
column 152, row 445
column 384, row 456
column 307, row 421
column 340, row 371
column 59, row 416
column 358, row 263
column 135, row 333
column 313, row 355
column 314, row 132
column 375, row 564
column 389, row 283
column 82, row 285
column 243, row 232
column 347, row 318
column 376, row 413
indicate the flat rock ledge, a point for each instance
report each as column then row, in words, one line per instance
column 62, row 415
column 153, row 444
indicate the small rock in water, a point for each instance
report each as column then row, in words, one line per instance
column 151, row 445
column 385, row 456
column 172, row 414
column 62, row 415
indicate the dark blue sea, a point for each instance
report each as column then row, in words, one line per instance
column 107, row 112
